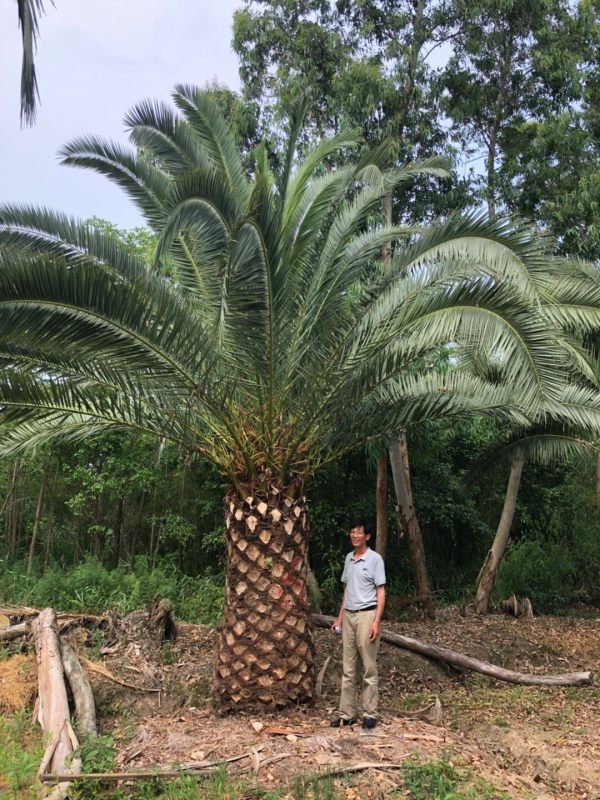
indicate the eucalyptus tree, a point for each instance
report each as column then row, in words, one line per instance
column 512, row 63
column 537, row 446
column 273, row 345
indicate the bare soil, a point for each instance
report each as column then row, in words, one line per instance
column 528, row 742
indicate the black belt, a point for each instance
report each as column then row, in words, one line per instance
column 356, row 610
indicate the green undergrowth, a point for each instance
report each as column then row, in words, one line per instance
column 92, row 588
column 21, row 750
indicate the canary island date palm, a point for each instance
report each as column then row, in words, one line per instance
column 264, row 337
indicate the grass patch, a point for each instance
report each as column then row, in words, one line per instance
column 21, row 750
column 439, row 780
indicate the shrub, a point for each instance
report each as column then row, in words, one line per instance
column 91, row 587
column 543, row 571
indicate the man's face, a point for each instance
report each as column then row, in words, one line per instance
column 359, row 538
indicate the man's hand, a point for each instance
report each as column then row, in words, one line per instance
column 374, row 632
column 337, row 623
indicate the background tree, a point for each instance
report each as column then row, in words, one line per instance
column 511, row 63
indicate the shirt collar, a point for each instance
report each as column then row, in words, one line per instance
column 360, row 558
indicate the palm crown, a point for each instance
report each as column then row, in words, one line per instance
column 276, row 343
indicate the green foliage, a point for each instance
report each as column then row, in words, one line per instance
column 20, row 753
column 543, row 571
column 90, row 586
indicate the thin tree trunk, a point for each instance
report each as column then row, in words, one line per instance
column 77, row 543
column 487, row 574
column 381, row 502
column 120, row 545
column 266, row 649
column 409, row 523
column 12, row 506
column 381, row 507
column 38, row 516
column 50, row 527
column 494, row 130
column 136, row 529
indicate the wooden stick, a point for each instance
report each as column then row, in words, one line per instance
column 473, row 664
column 157, row 772
column 363, row 765
column 100, row 669
column 320, row 676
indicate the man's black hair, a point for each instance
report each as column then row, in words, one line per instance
column 365, row 523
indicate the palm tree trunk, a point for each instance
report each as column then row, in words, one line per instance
column 381, row 504
column 38, row 516
column 266, row 649
column 409, row 523
column 487, row 573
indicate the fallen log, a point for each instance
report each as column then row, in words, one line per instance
column 7, row 634
column 52, row 703
column 85, row 709
column 472, row 664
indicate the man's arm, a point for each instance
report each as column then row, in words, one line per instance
column 376, row 626
column 338, row 621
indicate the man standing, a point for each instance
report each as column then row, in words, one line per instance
column 360, row 620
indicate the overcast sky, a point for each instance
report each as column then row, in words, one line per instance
column 95, row 59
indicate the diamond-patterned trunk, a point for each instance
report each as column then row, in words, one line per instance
column 266, row 648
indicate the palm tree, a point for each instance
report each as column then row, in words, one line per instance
column 270, row 345
column 29, row 12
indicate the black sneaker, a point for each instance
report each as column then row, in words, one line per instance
column 369, row 723
column 341, row 722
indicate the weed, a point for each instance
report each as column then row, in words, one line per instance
column 20, row 753
column 439, row 780
column 97, row 754
column 313, row 788
column 167, row 656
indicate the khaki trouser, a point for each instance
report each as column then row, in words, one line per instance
column 355, row 642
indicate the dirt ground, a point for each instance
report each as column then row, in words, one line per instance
column 527, row 742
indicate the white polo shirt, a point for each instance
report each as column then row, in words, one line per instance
column 362, row 576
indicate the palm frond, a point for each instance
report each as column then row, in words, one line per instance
column 215, row 138
column 154, row 127
column 145, row 183
column 29, row 13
